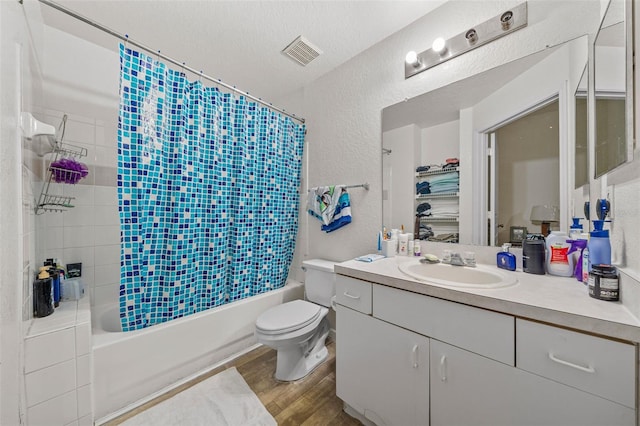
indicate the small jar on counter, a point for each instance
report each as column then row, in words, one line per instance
column 604, row 282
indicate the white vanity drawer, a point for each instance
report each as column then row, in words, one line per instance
column 353, row 293
column 593, row 364
column 477, row 330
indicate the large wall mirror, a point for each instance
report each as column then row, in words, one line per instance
column 613, row 86
column 486, row 159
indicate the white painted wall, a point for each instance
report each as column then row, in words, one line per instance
column 20, row 88
column 440, row 142
column 343, row 108
column 400, row 169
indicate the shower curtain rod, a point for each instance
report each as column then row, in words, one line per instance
column 182, row 65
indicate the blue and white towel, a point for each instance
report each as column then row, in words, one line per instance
column 330, row 205
column 341, row 215
column 322, row 202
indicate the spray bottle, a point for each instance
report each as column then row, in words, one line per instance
column 575, row 229
column 599, row 245
column 577, row 246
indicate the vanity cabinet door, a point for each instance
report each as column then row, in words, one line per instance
column 382, row 371
column 469, row 389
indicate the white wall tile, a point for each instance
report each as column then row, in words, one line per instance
column 78, row 236
column 107, row 215
column 82, row 215
column 84, row 401
column 50, row 382
column 53, row 219
column 106, row 195
column 107, row 274
column 106, row 156
column 78, row 132
column 106, row 295
column 100, row 134
column 83, row 194
column 57, row 411
column 83, row 370
column 84, row 255
column 107, row 235
column 107, row 255
column 54, row 238
column 48, row 349
column 87, row 276
column 83, row 339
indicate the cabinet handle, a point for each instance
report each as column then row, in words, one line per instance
column 587, row 369
column 350, row 296
column 414, row 356
column 443, row 368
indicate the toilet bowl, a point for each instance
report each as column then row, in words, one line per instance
column 298, row 329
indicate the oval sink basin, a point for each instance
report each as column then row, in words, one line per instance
column 458, row 276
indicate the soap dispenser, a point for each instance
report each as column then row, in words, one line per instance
column 505, row 259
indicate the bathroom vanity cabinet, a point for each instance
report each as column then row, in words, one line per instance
column 405, row 358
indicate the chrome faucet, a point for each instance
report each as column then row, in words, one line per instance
column 456, row 259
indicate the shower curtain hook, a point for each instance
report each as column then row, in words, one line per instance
column 183, row 64
column 200, row 79
column 126, row 40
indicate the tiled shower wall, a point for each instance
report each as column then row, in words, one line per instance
column 89, row 232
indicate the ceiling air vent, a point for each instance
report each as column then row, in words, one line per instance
column 302, row 51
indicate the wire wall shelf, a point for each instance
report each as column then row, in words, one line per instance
column 436, row 172
column 438, row 219
column 437, row 195
column 48, row 202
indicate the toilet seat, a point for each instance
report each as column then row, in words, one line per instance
column 287, row 317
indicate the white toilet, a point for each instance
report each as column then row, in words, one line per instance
column 298, row 329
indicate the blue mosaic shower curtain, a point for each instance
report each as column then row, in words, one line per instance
column 208, row 194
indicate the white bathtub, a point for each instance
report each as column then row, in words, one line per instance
column 129, row 367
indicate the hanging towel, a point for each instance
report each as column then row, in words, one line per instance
column 322, row 202
column 341, row 215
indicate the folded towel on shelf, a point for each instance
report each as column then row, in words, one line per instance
column 322, row 202
column 423, row 209
column 423, row 188
column 445, row 238
column 444, row 177
column 341, row 214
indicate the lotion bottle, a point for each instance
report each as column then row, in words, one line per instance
column 506, row 260
column 558, row 260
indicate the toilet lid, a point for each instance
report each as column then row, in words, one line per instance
column 287, row 317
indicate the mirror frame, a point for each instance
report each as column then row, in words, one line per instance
column 630, row 99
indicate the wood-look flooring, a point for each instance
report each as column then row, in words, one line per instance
column 311, row 401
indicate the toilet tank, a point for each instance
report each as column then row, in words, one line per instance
column 319, row 281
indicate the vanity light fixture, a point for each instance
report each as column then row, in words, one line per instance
column 471, row 36
column 505, row 20
column 442, row 50
column 439, row 46
column 412, row 59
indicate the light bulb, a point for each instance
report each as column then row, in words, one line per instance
column 412, row 58
column 438, row 45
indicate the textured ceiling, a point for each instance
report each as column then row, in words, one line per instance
column 240, row 42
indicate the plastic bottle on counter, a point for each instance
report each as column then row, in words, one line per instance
column 558, row 260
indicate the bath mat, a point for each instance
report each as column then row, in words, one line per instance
column 224, row 399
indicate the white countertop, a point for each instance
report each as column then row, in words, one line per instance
column 562, row 301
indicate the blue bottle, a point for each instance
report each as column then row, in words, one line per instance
column 506, row 260
column 599, row 245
